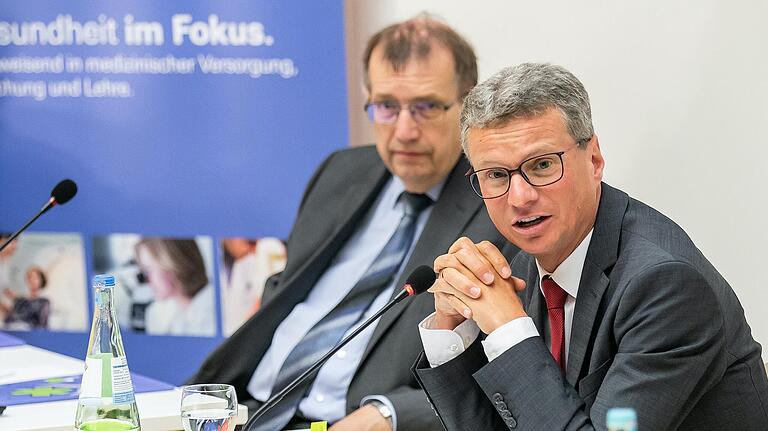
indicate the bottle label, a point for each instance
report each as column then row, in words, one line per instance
column 97, row 376
column 121, row 381
column 107, row 377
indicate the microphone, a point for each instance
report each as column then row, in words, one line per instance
column 64, row 191
column 417, row 282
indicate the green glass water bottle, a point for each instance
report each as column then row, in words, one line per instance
column 106, row 401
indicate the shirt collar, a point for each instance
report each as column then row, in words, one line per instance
column 396, row 187
column 568, row 274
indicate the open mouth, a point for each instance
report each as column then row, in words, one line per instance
column 530, row 221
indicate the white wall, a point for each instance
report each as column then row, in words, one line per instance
column 679, row 94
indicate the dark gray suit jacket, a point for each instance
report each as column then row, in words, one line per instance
column 655, row 327
column 341, row 192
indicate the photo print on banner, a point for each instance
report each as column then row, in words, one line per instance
column 245, row 266
column 165, row 285
column 42, row 283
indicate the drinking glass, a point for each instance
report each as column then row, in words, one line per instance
column 208, row 407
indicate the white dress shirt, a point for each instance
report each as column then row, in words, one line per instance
column 327, row 397
column 440, row 346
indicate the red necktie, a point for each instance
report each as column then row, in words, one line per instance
column 555, row 297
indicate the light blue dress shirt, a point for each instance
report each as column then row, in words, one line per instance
column 327, row 398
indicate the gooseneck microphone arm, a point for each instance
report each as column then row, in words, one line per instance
column 61, row 194
column 274, row 399
column 23, row 228
column 418, row 282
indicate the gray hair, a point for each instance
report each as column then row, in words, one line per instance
column 528, row 90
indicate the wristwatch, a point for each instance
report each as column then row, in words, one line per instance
column 385, row 411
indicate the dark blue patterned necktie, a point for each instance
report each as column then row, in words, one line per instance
column 330, row 329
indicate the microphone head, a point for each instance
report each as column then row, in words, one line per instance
column 64, row 191
column 420, row 280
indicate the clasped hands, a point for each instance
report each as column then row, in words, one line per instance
column 475, row 282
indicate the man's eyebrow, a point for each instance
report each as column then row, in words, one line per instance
column 497, row 163
column 384, row 96
column 430, row 97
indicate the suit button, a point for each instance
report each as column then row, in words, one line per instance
column 497, row 397
column 511, row 422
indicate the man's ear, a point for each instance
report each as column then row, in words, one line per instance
column 598, row 162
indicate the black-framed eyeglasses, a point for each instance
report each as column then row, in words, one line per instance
column 387, row 111
column 538, row 171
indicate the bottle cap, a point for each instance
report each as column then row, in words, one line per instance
column 104, row 280
column 621, row 415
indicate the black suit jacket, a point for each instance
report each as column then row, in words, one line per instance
column 340, row 193
column 655, row 327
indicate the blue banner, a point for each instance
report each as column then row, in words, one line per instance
column 177, row 120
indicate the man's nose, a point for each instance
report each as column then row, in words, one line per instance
column 406, row 128
column 520, row 193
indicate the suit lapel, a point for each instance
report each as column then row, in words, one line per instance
column 345, row 211
column 601, row 256
column 524, row 267
column 591, row 288
column 452, row 212
column 537, row 309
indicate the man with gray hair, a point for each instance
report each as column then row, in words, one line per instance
column 614, row 305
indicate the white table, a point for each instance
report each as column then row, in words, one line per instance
column 159, row 411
